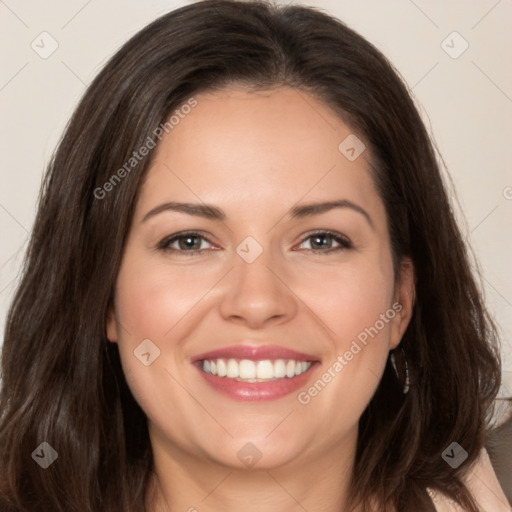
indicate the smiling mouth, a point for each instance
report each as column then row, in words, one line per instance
column 246, row 370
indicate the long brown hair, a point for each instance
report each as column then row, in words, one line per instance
column 62, row 382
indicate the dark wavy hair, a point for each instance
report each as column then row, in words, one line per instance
column 62, row 381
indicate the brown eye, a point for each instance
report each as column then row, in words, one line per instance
column 189, row 242
column 184, row 242
column 325, row 242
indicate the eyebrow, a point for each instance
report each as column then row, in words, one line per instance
column 199, row 210
column 215, row 213
column 308, row 210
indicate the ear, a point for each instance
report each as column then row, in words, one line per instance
column 403, row 301
column 111, row 326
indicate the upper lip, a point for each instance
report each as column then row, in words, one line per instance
column 255, row 353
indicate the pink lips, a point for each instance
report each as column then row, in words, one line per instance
column 251, row 391
column 255, row 353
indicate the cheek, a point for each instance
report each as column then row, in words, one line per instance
column 349, row 298
column 154, row 303
column 354, row 303
column 355, row 306
column 154, row 298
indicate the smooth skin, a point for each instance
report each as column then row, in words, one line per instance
column 255, row 156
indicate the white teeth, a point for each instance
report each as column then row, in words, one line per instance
column 265, row 370
column 247, row 369
column 279, row 369
column 290, row 369
column 221, row 368
column 255, row 371
column 233, row 370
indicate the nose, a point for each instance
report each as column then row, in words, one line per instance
column 257, row 294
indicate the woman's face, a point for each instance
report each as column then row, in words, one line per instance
column 259, row 244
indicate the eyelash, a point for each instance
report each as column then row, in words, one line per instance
column 344, row 243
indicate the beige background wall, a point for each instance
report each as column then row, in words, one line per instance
column 465, row 95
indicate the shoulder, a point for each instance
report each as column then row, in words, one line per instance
column 482, row 482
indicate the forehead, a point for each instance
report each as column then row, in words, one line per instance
column 264, row 125
column 268, row 147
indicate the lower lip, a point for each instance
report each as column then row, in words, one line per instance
column 251, row 391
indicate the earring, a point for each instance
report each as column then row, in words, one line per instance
column 399, row 363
